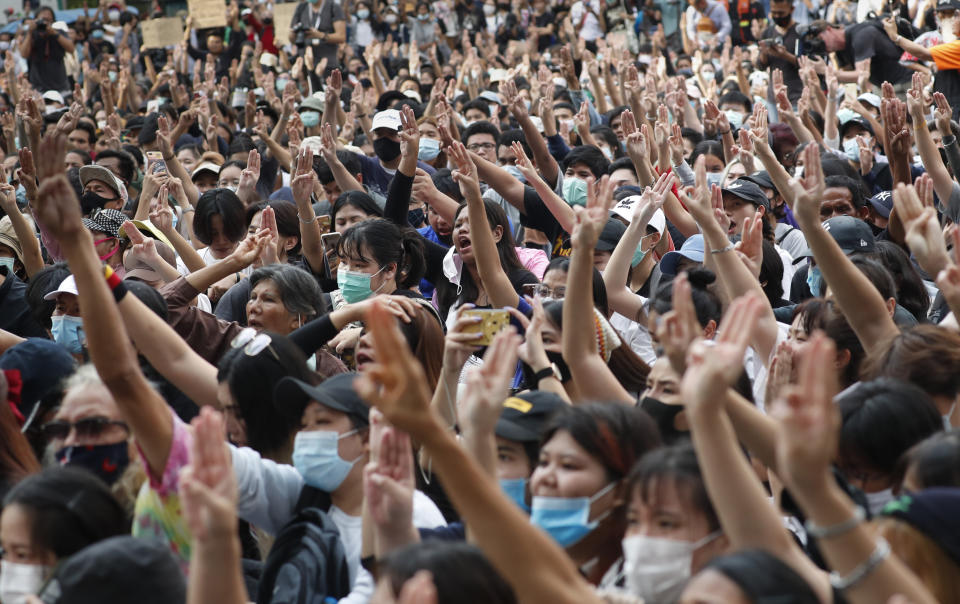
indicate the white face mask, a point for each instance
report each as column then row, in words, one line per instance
column 877, row 501
column 946, row 30
column 17, row 581
column 656, row 568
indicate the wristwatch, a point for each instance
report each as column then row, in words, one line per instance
column 547, row 372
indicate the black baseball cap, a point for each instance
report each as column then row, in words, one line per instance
column 882, row 202
column 948, row 5
column 761, row 178
column 291, row 396
column 933, row 512
column 611, row 235
column 851, row 234
column 118, row 569
column 148, row 131
column 525, row 415
column 857, row 120
column 749, row 191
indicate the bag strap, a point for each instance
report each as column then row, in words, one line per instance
column 784, row 236
column 312, row 497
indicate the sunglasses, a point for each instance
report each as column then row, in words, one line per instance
column 253, row 343
column 87, row 429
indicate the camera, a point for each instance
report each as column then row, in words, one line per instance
column 810, row 41
column 776, row 41
column 41, row 25
column 300, row 30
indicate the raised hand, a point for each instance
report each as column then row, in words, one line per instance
column 700, row 204
column 636, row 143
column 409, row 133
column 750, row 247
column 923, row 233
column 58, row 208
column 27, row 173
column 162, row 215
column 942, row 114
column 591, row 219
column 805, row 195
column 524, row 164
column 304, row 178
column 164, row 136
column 466, row 174
column 489, row 385
column 251, row 174
column 250, row 248
column 396, row 383
column 389, row 481
column 679, row 328
column 808, row 419
column 142, row 248
column 271, row 237
column 712, row 369
column 208, row 486
column 653, row 198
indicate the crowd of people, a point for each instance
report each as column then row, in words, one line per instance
column 483, row 301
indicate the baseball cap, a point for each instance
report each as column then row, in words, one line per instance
column 118, row 569
column 851, row 234
column 389, row 118
column 624, row 209
column 948, row 5
column 41, row 364
column 268, row 59
column 137, row 269
column 52, row 96
column 148, row 132
column 106, row 221
column 291, row 396
column 611, row 234
column 882, row 202
column 761, row 178
column 491, row 96
column 207, row 166
column 61, row 26
column 311, row 103
column 67, row 286
column 524, row 416
column 855, row 120
column 933, row 512
column 388, row 98
column 8, row 237
column 149, row 230
column 134, row 123
column 692, row 249
column 96, row 172
column 749, row 191
column 874, row 99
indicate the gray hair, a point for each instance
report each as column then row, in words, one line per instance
column 298, row 289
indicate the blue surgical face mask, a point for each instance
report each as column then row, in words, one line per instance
column 814, row 281
column 515, row 172
column 516, row 490
column 67, row 331
column 567, row 519
column 281, row 84
column 363, row 13
column 112, row 75
column 735, row 118
column 355, row 286
column 310, row 119
column 714, row 178
column 7, row 261
column 575, row 191
column 851, row 148
column 316, row 456
column 429, row 149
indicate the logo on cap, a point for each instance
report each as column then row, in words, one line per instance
column 519, row 404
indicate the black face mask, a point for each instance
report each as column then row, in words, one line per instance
column 664, row 415
column 783, row 20
column 387, row 150
column 90, row 201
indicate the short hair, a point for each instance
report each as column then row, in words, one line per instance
column 89, row 129
column 85, row 158
column 925, row 355
column 589, row 155
column 737, row 98
column 483, row 127
column 623, row 163
column 508, row 137
column 479, row 104
column 357, row 199
column 349, row 159
column 223, row 203
column 845, row 182
column 127, row 163
column 46, row 280
column 677, row 464
column 299, row 291
column 286, row 216
column 443, row 181
column 460, row 572
column 705, row 303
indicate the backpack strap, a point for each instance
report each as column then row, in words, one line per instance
column 784, row 236
column 312, row 497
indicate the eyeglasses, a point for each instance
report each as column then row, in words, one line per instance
column 253, row 343
column 88, row 428
column 484, row 146
column 544, row 291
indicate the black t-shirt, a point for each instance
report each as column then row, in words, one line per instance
column 321, row 17
column 867, row 40
column 791, row 73
column 45, row 63
column 537, row 216
column 547, row 18
column 947, row 82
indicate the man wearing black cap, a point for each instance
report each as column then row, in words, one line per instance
column 612, row 232
column 741, row 199
column 786, row 234
column 329, row 453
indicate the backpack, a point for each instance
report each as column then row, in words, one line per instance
column 307, row 563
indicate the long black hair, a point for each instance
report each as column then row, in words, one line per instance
column 388, row 244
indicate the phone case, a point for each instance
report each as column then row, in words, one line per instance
column 493, row 321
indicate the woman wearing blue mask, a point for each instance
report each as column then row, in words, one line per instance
column 378, row 257
column 430, row 151
column 713, row 156
column 66, row 325
column 578, row 490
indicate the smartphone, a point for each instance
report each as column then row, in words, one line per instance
column 492, row 321
column 324, row 222
column 155, row 163
column 330, row 241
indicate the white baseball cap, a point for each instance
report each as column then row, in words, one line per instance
column 388, row 118
column 67, row 286
column 624, row 209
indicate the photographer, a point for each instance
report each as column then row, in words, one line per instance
column 865, row 48
column 323, row 26
column 44, row 47
column 776, row 44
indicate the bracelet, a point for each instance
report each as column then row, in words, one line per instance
column 307, row 221
column 826, row 532
column 722, row 133
column 115, row 283
column 861, row 572
column 723, row 250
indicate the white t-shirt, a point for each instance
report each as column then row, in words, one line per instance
column 590, row 29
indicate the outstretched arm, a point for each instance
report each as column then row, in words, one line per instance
column 109, row 346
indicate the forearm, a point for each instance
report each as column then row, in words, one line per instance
column 679, row 217
column 215, row 572
column 501, row 181
column 942, row 182
column 202, row 279
column 310, row 236
column 557, row 206
column 30, row 246
column 754, row 429
column 546, row 165
column 913, row 48
column 495, row 282
column 829, row 506
column 191, row 259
